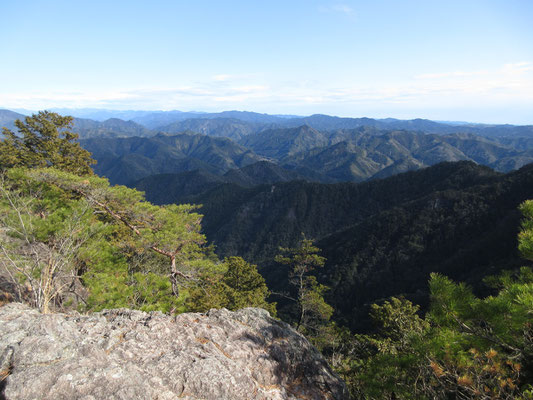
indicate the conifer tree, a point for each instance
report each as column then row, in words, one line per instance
column 313, row 311
column 44, row 140
column 236, row 285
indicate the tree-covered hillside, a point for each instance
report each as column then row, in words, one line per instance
column 380, row 238
column 127, row 160
column 338, row 156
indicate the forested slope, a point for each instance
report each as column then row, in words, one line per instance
column 381, row 238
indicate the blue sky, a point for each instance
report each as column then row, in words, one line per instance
column 446, row 60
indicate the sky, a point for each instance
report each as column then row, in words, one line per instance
column 468, row 60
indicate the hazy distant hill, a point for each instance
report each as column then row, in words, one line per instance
column 280, row 143
column 87, row 128
column 8, row 118
column 156, row 119
column 328, row 123
column 99, row 114
column 112, row 127
column 226, row 127
column 126, row 160
column 159, row 119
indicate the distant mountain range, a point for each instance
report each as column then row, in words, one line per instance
column 317, row 148
column 303, row 152
column 156, row 120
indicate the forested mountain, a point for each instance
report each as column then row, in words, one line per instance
column 381, row 238
column 356, row 156
column 280, row 143
column 227, row 127
column 260, row 173
column 126, row 160
column 281, row 212
column 465, row 234
column 182, row 187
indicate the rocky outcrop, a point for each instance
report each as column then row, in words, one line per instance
column 126, row 354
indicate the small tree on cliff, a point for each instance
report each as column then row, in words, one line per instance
column 236, row 285
column 313, row 311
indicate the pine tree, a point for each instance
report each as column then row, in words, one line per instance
column 313, row 311
column 44, row 140
column 236, row 285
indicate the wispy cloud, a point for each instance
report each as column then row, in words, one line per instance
column 509, row 85
column 222, row 77
column 511, row 68
column 339, row 8
column 439, row 75
column 510, row 81
column 523, row 66
column 343, row 8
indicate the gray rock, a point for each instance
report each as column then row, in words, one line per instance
column 126, row 354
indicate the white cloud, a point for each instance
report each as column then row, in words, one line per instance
column 510, row 85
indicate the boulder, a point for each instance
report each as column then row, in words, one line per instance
column 127, row 354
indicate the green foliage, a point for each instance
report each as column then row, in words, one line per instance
column 172, row 231
column 153, row 292
column 313, row 311
column 398, row 320
column 466, row 347
column 245, row 286
column 77, row 236
column 237, row 285
column 525, row 238
column 44, row 140
column 46, row 234
column 116, row 249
